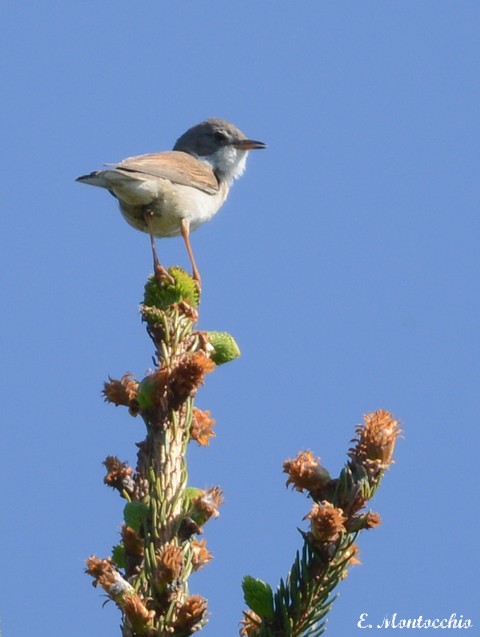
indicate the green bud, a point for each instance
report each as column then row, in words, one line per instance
column 146, row 391
column 191, row 493
column 258, row 596
column 118, row 555
column 225, row 349
column 134, row 514
column 162, row 295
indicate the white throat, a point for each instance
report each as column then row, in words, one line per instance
column 228, row 162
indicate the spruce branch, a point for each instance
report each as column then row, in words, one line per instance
column 148, row 570
column 300, row 604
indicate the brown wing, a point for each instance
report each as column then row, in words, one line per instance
column 176, row 166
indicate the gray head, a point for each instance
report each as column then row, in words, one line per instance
column 219, row 143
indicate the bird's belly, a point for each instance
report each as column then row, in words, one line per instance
column 169, row 204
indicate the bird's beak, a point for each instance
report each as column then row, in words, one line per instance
column 248, row 144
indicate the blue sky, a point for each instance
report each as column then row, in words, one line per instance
column 345, row 262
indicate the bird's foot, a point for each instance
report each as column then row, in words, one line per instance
column 163, row 275
column 198, row 282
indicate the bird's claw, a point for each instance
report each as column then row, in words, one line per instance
column 162, row 274
column 198, row 283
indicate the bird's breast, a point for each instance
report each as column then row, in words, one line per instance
column 169, row 203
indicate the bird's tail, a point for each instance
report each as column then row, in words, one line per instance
column 97, row 178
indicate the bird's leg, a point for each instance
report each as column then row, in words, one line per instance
column 160, row 272
column 185, row 230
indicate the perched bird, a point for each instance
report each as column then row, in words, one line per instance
column 172, row 193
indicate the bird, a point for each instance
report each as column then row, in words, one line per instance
column 172, row 193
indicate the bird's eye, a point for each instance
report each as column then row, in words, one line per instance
column 219, row 136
